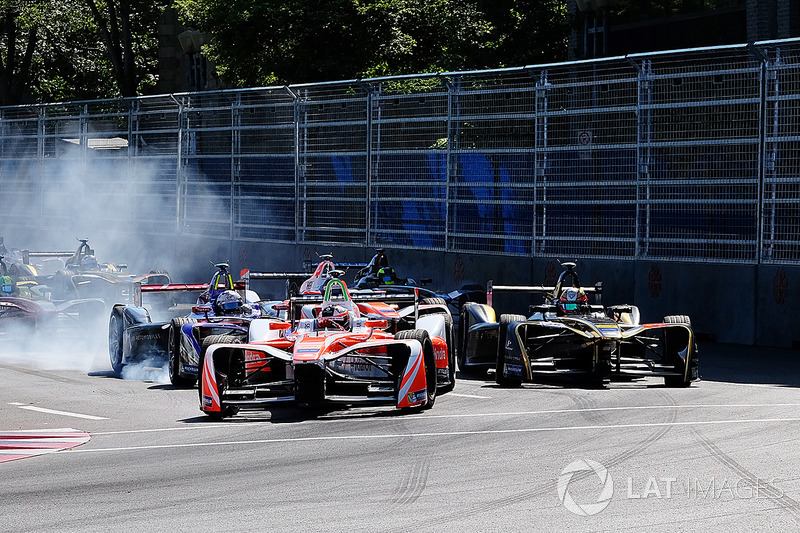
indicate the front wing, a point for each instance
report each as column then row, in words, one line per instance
column 255, row 376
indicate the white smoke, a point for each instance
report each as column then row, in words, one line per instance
column 153, row 369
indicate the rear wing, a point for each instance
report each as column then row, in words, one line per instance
column 27, row 255
column 138, row 289
column 289, row 277
column 597, row 290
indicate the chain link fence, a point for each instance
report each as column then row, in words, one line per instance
column 686, row 155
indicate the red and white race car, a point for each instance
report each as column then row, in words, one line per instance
column 336, row 346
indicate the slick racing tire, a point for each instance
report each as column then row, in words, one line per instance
column 502, row 334
column 227, row 410
column 451, row 354
column 174, row 348
column 116, row 329
column 429, row 360
column 678, row 319
column 461, row 350
column 433, row 301
column 683, row 380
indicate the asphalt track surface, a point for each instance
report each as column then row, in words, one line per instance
column 722, row 455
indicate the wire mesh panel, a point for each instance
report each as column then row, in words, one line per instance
column 699, row 146
column 153, row 167
column 20, row 168
column 684, row 155
column 492, row 145
column 585, row 179
column 264, row 165
column 332, row 163
column 781, row 193
column 408, row 172
column 206, row 165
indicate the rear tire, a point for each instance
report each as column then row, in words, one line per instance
column 684, row 380
column 429, row 360
column 500, row 364
column 678, row 319
column 174, row 348
column 433, row 301
column 227, row 410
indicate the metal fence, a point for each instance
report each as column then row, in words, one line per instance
column 686, row 155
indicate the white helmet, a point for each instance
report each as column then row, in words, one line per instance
column 228, row 303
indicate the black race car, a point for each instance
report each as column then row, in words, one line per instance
column 568, row 336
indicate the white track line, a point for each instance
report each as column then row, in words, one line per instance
column 439, row 434
column 469, row 396
column 61, row 413
column 220, row 425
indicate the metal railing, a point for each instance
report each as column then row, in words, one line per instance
column 685, row 155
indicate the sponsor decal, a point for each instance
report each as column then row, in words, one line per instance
column 252, row 356
column 654, row 281
column 441, row 354
column 417, row 397
column 550, row 276
column 458, row 270
column 513, row 370
column 207, row 402
column 780, row 287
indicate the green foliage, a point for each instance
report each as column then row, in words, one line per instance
column 264, row 42
column 69, row 58
column 87, row 49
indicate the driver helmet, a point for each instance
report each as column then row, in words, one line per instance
column 387, row 276
column 228, row 303
column 7, row 286
column 89, row 262
column 335, row 313
column 572, row 300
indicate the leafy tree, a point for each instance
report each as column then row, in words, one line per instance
column 59, row 50
column 526, row 32
column 19, row 35
column 128, row 28
column 262, row 42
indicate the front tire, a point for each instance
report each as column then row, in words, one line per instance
column 461, row 353
column 116, row 330
column 451, row 355
column 222, row 384
column 502, row 335
column 429, row 360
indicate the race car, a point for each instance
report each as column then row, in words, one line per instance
column 379, row 276
column 133, row 336
column 335, row 347
column 24, row 321
column 78, row 274
column 568, row 336
column 26, row 311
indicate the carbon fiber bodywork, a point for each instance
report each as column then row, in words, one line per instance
column 590, row 342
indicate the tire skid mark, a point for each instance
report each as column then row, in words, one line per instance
column 772, row 493
column 550, row 486
column 412, row 484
